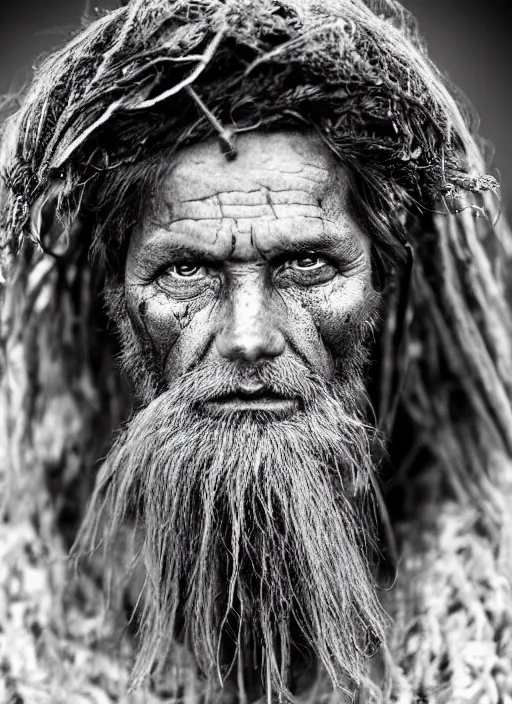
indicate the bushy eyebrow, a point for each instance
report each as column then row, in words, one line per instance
column 345, row 243
column 164, row 248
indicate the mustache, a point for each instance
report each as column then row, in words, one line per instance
column 282, row 378
column 288, row 378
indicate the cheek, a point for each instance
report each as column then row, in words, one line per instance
column 195, row 338
column 154, row 320
column 176, row 330
column 303, row 330
column 336, row 312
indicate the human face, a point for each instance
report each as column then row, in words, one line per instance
column 249, row 260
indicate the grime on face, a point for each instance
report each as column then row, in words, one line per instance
column 249, row 261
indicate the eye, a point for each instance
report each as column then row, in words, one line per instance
column 185, row 271
column 185, row 279
column 309, row 262
column 307, row 269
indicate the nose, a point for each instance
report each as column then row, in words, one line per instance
column 249, row 330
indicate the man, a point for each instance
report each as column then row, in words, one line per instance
column 287, row 219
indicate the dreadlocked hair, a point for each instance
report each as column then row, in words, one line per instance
column 88, row 148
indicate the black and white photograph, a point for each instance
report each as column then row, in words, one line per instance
column 255, row 352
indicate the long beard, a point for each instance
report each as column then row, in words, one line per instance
column 256, row 531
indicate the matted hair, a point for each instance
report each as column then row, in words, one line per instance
column 85, row 153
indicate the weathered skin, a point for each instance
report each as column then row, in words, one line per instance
column 249, row 259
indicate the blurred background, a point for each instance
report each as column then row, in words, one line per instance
column 469, row 41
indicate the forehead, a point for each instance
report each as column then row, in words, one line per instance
column 285, row 160
column 282, row 188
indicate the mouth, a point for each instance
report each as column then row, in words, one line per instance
column 245, row 400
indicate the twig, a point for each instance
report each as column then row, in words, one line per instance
column 225, row 135
column 205, row 60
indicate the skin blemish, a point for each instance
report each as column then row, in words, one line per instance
column 142, row 309
column 183, row 315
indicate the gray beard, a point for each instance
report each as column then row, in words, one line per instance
column 256, row 532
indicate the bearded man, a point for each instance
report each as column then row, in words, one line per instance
column 276, row 217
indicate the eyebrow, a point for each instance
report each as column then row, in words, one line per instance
column 339, row 244
column 162, row 248
column 345, row 243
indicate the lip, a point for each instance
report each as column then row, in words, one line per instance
column 261, row 401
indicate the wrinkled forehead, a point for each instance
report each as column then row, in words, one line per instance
column 283, row 191
column 270, row 168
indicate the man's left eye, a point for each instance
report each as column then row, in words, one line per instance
column 308, row 269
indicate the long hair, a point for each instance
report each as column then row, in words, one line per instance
column 91, row 140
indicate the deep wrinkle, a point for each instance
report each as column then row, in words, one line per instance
column 138, row 319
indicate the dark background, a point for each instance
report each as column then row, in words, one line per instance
column 470, row 41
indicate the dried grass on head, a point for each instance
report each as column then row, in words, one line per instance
column 144, row 80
